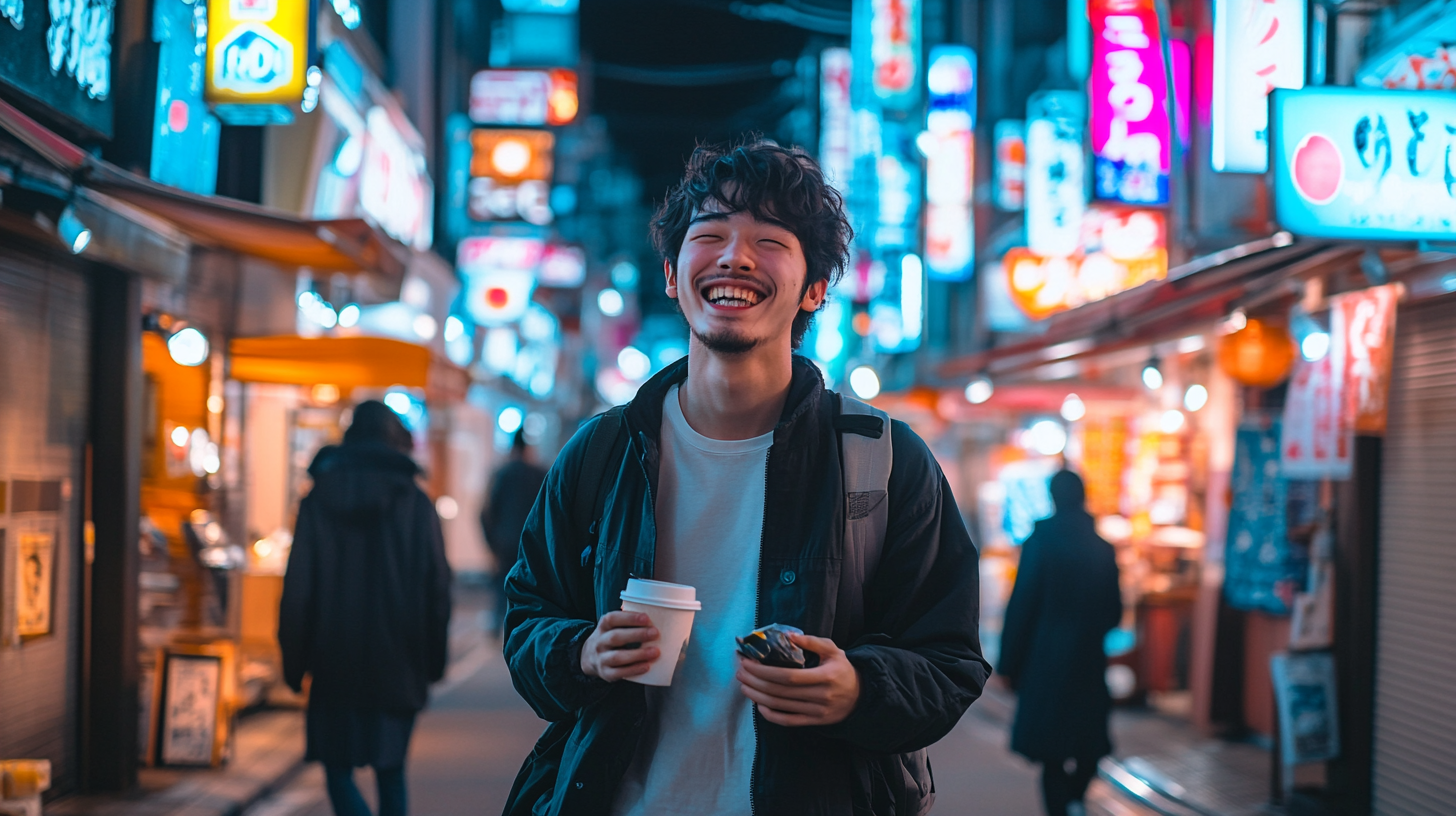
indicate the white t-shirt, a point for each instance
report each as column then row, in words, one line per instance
column 696, row 753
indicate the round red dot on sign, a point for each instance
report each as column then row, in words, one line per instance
column 177, row 116
column 496, row 297
column 1318, row 169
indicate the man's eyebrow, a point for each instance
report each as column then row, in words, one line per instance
column 708, row 216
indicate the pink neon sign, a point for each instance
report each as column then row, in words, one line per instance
column 1131, row 139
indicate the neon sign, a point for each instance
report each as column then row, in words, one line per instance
column 836, row 117
column 1258, row 45
column 1372, row 165
column 950, row 163
column 519, row 97
column 895, row 51
column 1056, row 184
column 1010, row 169
column 257, row 51
column 1120, row 248
column 1131, row 139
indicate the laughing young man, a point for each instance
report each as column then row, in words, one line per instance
column 726, row 475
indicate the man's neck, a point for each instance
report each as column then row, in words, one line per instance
column 735, row 396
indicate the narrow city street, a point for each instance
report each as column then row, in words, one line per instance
column 471, row 740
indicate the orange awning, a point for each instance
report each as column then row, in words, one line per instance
column 348, row 362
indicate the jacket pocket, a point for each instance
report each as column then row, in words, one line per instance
column 536, row 780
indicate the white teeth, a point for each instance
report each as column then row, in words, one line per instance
column 732, row 296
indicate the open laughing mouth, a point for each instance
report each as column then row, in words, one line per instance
column 728, row 296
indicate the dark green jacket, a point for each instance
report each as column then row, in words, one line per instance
column 915, row 645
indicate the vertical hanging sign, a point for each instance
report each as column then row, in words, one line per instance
column 1010, row 170
column 1128, row 95
column 950, row 151
column 1056, row 181
column 1258, row 45
column 257, row 55
column 895, row 52
column 836, row 117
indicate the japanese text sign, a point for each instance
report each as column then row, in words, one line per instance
column 1119, row 249
column 500, row 274
column 523, row 97
column 1318, row 438
column 894, row 51
column 1258, row 45
column 1372, row 165
column 1131, row 140
column 1010, row 169
column 950, row 162
column 836, row 117
column 257, row 51
column 1368, row 319
column 1056, row 182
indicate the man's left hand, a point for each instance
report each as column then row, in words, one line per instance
column 823, row 695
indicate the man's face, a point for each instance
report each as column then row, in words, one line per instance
column 740, row 281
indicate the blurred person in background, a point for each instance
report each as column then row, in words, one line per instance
column 365, row 608
column 1065, row 600
column 513, row 491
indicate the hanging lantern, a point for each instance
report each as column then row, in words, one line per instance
column 1259, row 354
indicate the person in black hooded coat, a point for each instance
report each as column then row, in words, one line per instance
column 1065, row 600
column 365, row 608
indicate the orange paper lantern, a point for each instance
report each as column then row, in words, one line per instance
column 1259, row 354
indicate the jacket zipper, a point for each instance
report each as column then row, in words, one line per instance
column 757, row 601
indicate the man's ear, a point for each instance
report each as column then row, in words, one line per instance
column 671, row 275
column 814, row 295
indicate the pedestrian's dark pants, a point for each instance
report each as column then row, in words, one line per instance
column 1065, row 782
column 347, row 801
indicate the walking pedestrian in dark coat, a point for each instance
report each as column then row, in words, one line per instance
column 366, row 607
column 513, row 492
column 1065, row 601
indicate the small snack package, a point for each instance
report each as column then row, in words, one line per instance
column 771, row 646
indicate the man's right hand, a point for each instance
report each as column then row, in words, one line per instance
column 620, row 647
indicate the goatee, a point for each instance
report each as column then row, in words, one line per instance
column 726, row 342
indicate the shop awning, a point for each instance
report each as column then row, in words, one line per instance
column 1203, row 290
column 347, row 362
column 347, row 245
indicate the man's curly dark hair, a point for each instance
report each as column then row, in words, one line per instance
column 771, row 183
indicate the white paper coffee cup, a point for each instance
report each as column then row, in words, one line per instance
column 670, row 607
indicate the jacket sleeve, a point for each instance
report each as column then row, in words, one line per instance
column 296, row 618
column 920, row 665
column 437, row 599
column 1021, row 610
column 552, row 605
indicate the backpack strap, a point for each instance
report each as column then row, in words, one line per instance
column 866, row 456
column 600, row 447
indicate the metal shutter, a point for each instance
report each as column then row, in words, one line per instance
column 44, row 378
column 1415, row 696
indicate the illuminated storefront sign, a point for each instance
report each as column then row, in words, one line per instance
column 500, row 274
column 1372, row 165
column 59, row 54
column 394, row 189
column 894, row 50
column 1258, row 45
column 950, row 151
column 1056, row 182
column 1120, row 248
column 523, row 97
column 257, row 53
column 1424, row 59
column 1010, row 168
column 562, row 266
column 899, row 189
column 836, row 117
column 184, row 134
column 510, row 175
column 1128, row 93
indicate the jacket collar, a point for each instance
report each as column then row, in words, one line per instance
column 644, row 412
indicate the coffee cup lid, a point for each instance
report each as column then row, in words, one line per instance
column 661, row 593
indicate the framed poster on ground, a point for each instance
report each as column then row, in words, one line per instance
column 1304, row 688
column 190, row 724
